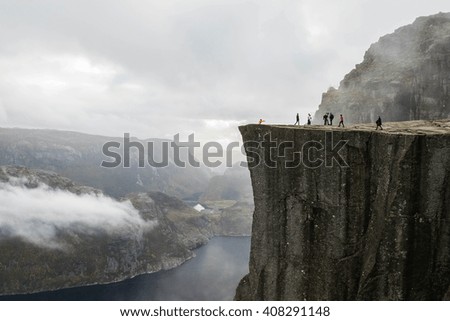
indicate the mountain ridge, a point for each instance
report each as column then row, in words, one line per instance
column 403, row 76
column 78, row 156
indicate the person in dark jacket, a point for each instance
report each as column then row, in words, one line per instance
column 379, row 123
column 297, row 120
column 309, row 119
column 331, row 119
column 325, row 119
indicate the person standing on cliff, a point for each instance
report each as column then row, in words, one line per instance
column 325, row 119
column 331, row 119
column 379, row 123
column 309, row 119
column 341, row 121
column 297, row 120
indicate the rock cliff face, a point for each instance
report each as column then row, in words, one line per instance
column 371, row 225
column 404, row 76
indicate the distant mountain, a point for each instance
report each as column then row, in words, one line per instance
column 234, row 184
column 66, row 221
column 231, row 196
column 78, row 156
column 404, row 76
column 57, row 234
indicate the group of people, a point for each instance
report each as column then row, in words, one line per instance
column 297, row 119
column 328, row 119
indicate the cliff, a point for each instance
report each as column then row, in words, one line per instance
column 368, row 220
column 404, row 76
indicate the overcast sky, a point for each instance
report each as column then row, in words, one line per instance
column 158, row 67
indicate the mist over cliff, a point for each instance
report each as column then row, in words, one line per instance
column 404, row 76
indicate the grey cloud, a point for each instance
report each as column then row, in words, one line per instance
column 37, row 214
column 156, row 68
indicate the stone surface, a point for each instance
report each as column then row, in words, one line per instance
column 377, row 229
column 404, row 76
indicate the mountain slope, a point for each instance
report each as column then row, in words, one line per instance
column 404, row 76
column 78, row 156
column 57, row 234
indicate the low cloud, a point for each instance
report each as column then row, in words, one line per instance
column 39, row 215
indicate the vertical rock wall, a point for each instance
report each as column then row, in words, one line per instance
column 377, row 229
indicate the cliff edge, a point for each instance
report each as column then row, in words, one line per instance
column 349, row 214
